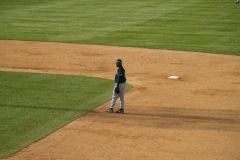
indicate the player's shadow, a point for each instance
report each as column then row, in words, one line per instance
column 186, row 118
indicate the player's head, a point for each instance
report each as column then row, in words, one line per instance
column 118, row 62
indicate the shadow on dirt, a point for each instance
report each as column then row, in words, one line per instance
column 183, row 118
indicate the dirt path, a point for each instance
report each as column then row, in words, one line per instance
column 197, row 117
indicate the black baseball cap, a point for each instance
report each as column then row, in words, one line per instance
column 119, row 61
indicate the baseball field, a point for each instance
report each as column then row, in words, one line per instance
column 56, row 79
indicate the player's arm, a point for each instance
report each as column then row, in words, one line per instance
column 119, row 74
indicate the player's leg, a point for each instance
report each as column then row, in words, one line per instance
column 122, row 93
column 114, row 100
column 122, row 87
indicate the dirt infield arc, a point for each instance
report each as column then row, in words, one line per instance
column 197, row 117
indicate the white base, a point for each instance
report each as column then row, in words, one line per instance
column 174, row 77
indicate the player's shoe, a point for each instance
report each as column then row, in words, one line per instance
column 110, row 110
column 121, row 110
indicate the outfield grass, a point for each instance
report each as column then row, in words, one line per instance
column 194, row 25
column 34, row 105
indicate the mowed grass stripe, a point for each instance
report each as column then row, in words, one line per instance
column 199, row 25
column 200, row 28
column 34, row 105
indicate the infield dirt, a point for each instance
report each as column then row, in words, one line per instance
column 196, row 117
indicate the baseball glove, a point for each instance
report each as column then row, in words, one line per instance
column 117, row 90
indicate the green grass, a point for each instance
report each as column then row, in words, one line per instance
column 194, row 25
column 34, row 105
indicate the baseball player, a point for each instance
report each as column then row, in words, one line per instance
column 119, row 88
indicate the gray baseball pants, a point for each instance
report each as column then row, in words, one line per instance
column 120, row 95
